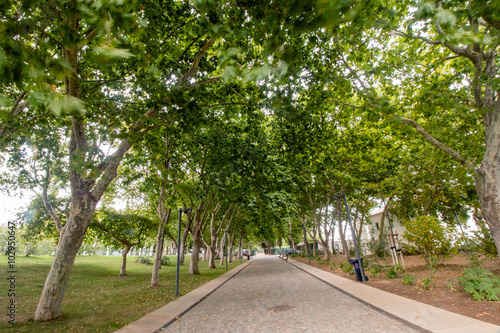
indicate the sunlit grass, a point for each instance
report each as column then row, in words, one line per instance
column 97, row 299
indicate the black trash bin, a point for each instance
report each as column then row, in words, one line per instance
column 357, row 269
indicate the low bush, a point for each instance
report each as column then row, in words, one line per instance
column 426, row 283
column 144, row 260
column 378, row 246
column 431, row 237
column 165, row 261
column 408, row 279
column 375, row 270
column 392, row 273
column 481, row 283
column 346, row 267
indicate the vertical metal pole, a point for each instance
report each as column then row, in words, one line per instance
column 354, row 239
column 178, row 254
column 241, row 247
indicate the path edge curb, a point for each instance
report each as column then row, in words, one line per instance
column 425, row 322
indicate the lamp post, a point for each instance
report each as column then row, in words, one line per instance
column 363, row 278
column 186, row 211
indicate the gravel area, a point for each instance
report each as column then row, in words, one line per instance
column 271, row 295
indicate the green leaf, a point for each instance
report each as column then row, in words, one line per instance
column 4, row 101
column 66, row 103
column 263, row 72
column 445, row 18
column 229, row 73
column 112, row 52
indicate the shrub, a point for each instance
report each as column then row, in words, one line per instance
column 481, row 283
column 375, row 270
column 430, row 237
column 408, row 279
column 165, row 261
column 392, row 273
column 409, row 250
column 426, row 283
column 378, row 247
column 144, row 260
column 346, row 267
column 482, row 242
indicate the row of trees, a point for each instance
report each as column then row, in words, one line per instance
column 252, row 114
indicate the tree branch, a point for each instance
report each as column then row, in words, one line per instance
column 196, row 62
column 207, row 81
column 353, row 73
column 347, row 104
column 438, row 144
column 220, row 104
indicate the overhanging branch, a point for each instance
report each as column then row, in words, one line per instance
column 438, row 144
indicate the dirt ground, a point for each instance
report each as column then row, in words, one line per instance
column 445, row 293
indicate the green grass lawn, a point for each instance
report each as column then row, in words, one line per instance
column 97, row 299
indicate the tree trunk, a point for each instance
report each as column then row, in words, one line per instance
column 333, row 235
column 324, row 240
column 205, row 254
column 488, row 186
column 230, row 246
column 182, row 246
column 222, row 246
column 240, row 246
column 155, row 276
column 198, row 219
column 345, row 248
column 49, row 306
column 195, row 254
column 211, row 254
column 124, row 259
column 381, row 233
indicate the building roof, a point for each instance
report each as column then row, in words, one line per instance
column 376, row 211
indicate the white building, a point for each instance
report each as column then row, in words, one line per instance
column 376, row 222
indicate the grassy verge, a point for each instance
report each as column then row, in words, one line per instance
column 96, row 298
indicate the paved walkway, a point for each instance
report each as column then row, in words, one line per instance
column 271, row 295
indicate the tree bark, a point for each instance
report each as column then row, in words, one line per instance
column 488, row 180
column 195, row 254
column 382, row 224
column 223, row 245
column 240, row 246
column 214, row 233
column 199, row 217
column 155, row 276
column 181, row 249
column 124, row 259
column 49, row 306
column 345, row 248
